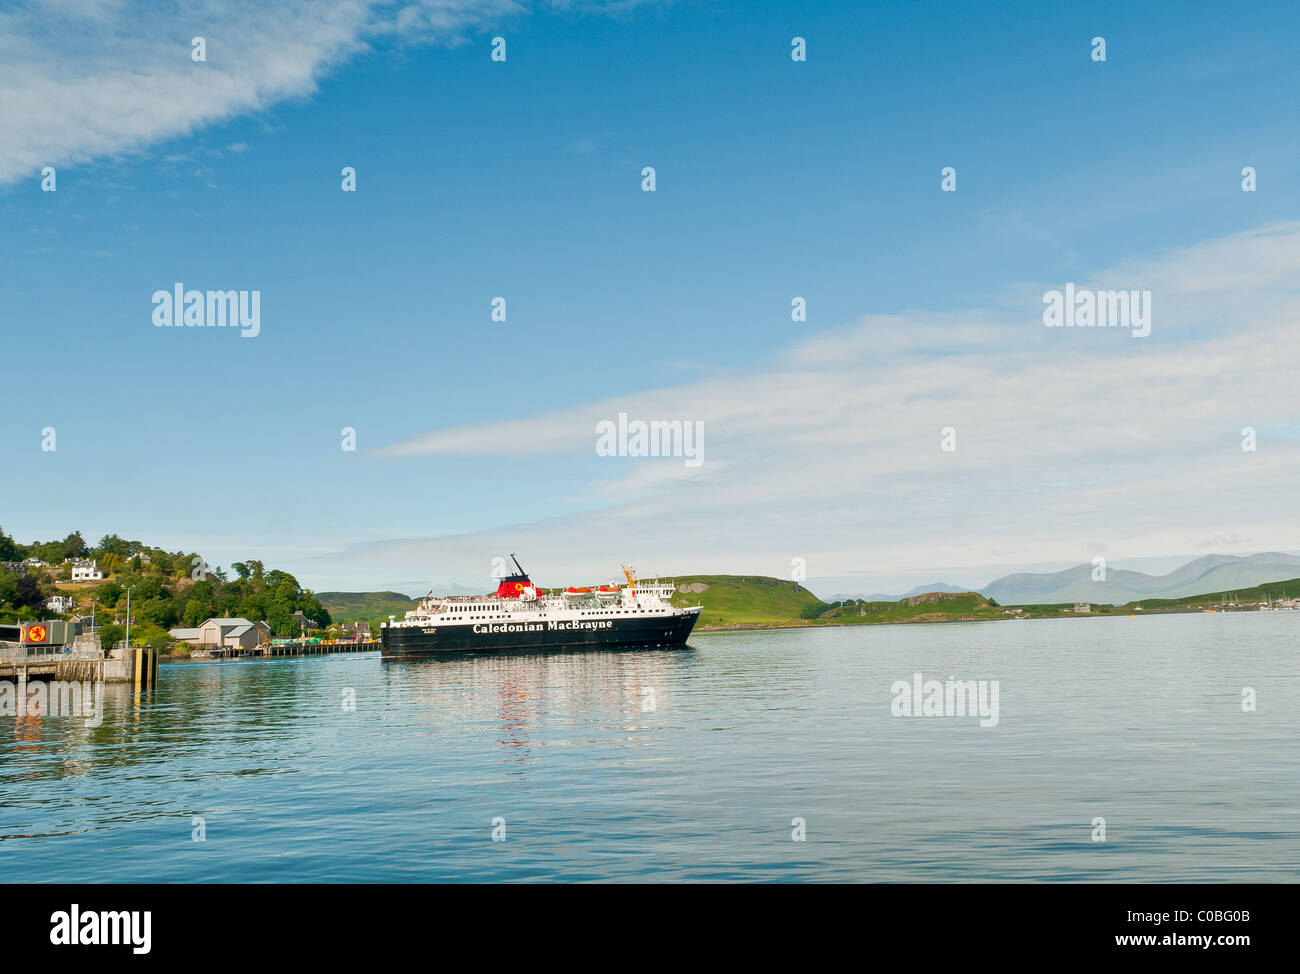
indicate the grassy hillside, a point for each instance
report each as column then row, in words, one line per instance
column 1267, row 592
column 731, row 600
column 928, row 607
column 1245, row 598
column 752, row 600
column 365, row 606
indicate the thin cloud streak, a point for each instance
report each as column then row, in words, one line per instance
column 1067, row 438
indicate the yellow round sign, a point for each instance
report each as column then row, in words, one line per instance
column 36, row 634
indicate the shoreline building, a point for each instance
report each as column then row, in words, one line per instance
column 231, row 632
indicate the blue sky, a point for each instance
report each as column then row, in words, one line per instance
column 775, row 179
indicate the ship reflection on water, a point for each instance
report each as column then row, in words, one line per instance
column 536, row 692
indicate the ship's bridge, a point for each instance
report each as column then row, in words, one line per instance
column 660, row 590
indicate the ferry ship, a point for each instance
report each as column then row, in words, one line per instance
column 519, row 616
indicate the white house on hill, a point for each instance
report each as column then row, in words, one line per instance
column 86, row 571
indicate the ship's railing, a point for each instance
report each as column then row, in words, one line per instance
column 434, row 606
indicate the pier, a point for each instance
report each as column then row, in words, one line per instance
column 123, row 664
column 296, row 647
column 53, row 667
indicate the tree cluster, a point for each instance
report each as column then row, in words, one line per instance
column 168, row 589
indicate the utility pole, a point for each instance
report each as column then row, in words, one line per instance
column 128, row 614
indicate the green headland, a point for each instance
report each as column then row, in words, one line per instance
column 757, row 602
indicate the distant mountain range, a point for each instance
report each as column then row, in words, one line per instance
column 1212, row 573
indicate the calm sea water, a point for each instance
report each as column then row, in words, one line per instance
column 1137, row 721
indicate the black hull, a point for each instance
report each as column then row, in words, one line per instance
column 413, row 642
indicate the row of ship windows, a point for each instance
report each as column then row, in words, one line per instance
column 543, row 615
column 489, row 608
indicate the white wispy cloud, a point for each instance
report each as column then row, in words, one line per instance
column 1067, row 438
column 83, row 80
